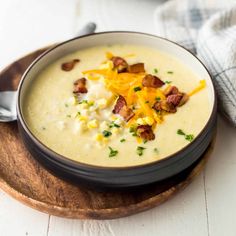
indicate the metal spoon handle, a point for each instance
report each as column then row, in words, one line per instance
column 8, row 98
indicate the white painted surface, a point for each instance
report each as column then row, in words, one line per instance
column 206, row 207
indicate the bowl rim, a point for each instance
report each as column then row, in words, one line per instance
column 73, row 163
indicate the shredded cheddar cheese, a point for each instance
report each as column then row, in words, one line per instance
column 202, row 85
column 140, row 98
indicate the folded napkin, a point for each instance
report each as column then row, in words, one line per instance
column 207, row 28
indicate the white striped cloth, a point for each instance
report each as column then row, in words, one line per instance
column 207, row 28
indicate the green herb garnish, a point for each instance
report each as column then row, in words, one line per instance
column 158, row 98
column 155, row 70
column 188, row 137
column 133, row 130
column 168, row 82
column 122, row 140
column 69, row 116
column 78, row 114
column 145, row 141
column 43, row 128
column 170, row 72
column 83, row 102
column 140, row 150
column 180, row 132
column 156, row 150
column 136, row 89
column 113, row 152
column 66, row 105
column 106, row 133
column 113, row 124
column 147, row 102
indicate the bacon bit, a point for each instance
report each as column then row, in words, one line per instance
column 120, row 64
column 136, row 68
column 157, row 106
column 169, row 107
column 68, row 66
column 174, row 99
column 120, row 102
column 152, row 81
column 80, row 86
column 126, row 112
column 171, row 90
column 184, row 99
column 122, row 109
column 145, row 132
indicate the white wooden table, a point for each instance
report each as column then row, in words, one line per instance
column 206, row 207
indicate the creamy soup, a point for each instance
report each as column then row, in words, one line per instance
column 117, row 105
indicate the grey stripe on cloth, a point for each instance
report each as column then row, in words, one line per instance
column 208, row 29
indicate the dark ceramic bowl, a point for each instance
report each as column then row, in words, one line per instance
column 116, row 177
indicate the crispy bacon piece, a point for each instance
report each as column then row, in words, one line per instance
column 120, row 64
column 169, row 107
column 171, row 90
column 80, row 86
column 183, row 100
column 68, row 66
column 157, row 106
column 122, row 109
column 175, row 99
column 136, row 68
column 126, row 112
column 120, row 102
column 152, row 81
column 145, row 132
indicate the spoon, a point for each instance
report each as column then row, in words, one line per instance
column 8, row 98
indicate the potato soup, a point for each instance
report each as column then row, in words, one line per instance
column 117, row 105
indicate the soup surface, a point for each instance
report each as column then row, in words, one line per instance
column 118, row 105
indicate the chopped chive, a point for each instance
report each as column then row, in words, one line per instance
column 170, row 72
column 168, row 82
column 69, row 116
column 78, row 114
column 43, row 128
column 133, row 130
column 156, row 150
column 189, row 137
column 113, row 124
column 147, row 102
column 145, row 141
column 136, row 89
column 106, row 133
column 122, row 140
column 158, row 98
column 180, row 132
column 66, row 105
column 113, row 152
column 140, row 150
column 83, row 102
column 155, row 70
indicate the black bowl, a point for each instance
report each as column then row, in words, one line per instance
column 116, row 177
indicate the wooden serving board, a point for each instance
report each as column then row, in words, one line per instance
column 25, row 180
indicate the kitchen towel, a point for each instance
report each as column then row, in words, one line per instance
column 208, row 29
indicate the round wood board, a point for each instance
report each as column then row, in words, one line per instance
column 25, row 180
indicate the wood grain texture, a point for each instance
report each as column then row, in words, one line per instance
column 24, row 179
